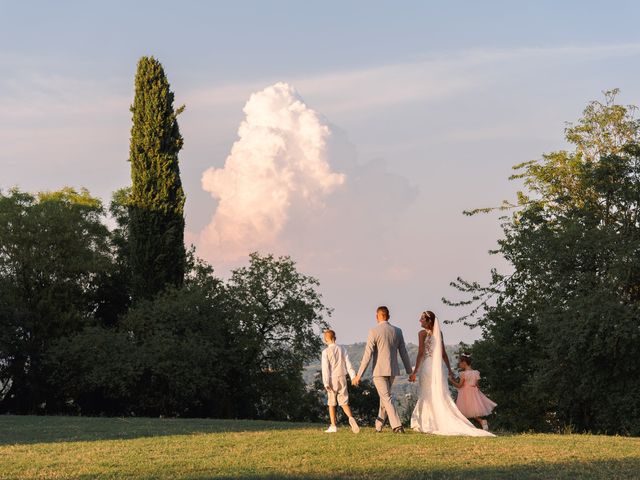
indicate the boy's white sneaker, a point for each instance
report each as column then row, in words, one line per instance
column 485, row 425
column 331, row 429
column 354, row 425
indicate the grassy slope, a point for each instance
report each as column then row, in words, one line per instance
column 83, row 448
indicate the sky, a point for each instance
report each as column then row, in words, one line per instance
column 349, row 135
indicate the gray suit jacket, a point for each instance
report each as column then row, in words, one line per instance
column 383, row 345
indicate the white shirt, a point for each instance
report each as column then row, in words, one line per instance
column 335, row 363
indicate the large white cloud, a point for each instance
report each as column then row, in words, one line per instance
column 292, row 185
column 279, row 160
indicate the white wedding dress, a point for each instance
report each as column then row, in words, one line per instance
column 435, row 411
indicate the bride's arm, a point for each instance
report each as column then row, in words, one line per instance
column 421, row 336
column 457, row 384
column 445, row 357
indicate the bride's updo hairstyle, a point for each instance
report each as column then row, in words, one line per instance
column 430, row 317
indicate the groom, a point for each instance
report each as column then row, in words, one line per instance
column 383, row 344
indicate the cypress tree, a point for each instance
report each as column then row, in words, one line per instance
column 156, row 204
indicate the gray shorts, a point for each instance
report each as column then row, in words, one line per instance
column 340, row 395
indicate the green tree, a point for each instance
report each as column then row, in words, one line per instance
column 96, row 371
column 281, row 315
column 113, row 295
column 363, row 400
column 53, row 248
column 156, row 201
column 560, row 332
column 170, row 355
column 181, row 339
column 204, row 349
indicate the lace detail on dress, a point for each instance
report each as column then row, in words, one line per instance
column 428, row 344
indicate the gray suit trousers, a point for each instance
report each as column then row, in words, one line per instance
column 383, row 386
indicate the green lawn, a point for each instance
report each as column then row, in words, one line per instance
column 84, row 448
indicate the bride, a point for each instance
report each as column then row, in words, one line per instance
column 435, row 411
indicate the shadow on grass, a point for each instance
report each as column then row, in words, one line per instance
column 618, row 469
column 614, row 469
column 18, row 429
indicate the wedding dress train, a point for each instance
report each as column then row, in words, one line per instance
column 435, row 411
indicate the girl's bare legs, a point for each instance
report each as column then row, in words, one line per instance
column 483, row 423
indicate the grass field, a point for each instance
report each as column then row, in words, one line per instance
column 86, row 448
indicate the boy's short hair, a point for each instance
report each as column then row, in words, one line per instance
column 330, row 333
column 384, row 310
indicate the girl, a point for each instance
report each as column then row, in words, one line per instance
column 471, row 402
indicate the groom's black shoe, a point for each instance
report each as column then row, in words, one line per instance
column 398, row 430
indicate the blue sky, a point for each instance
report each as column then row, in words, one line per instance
column 430, row 105
column 235, row 39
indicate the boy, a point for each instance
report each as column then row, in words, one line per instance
column 335, row 366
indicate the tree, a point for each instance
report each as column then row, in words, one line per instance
column 96, row 371
column 53, row 248
column 156, row 202
column 204, row 349
column 113, row 295
column 171, row 355
column 363, row 400
column 560, row 330
column 183, row 347
column 280, row 315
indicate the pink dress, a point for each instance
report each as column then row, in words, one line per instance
column 471, row 401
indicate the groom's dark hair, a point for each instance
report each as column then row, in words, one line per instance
column 384, row 310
